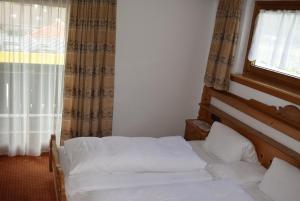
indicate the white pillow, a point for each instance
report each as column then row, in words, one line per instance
column 229, row 145
column 239, row 171
column 281, row 182
column 131, row 154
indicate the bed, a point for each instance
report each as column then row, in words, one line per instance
column 266, row 149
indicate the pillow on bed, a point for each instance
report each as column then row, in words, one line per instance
column 281, row 181
column 229, row 145
column 131, row 154
column 239, row 171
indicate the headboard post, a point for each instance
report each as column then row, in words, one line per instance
column 205, row 101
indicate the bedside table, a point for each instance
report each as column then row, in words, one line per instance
column 196, row 129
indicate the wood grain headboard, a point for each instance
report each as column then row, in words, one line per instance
column 284, row 119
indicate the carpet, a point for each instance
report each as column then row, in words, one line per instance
column 25, row 178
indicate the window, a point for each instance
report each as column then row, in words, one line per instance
column 32, row 52
column 274, row 44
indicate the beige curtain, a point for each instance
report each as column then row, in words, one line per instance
column 89, row 69
column 222, row 50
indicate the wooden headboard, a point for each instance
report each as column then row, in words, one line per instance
column 286, row 120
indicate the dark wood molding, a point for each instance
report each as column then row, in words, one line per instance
column 205, row 100
column 284, row 119
column 288, row 114
column 275, row 89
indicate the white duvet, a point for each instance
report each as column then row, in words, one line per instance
column 131, row 154
column 91, row 182
column 193, row 191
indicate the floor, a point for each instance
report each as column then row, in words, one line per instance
column 25, row 178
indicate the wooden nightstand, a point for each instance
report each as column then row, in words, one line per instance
column 196, row 129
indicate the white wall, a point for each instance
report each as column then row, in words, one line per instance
column 162, row 49
column 250, row 93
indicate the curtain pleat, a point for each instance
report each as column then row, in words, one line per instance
column 32, row 52
column 89, row 74
column 223, row 46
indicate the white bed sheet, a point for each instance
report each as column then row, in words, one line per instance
column 196, row 145
column 194, row 191
column 84, row 183
column 64, row 161
column 89, row 182
column 253, row 190
column 135, row 154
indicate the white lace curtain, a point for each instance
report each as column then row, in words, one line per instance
column 276, row 41
column 32, row 53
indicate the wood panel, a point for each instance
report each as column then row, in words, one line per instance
column 284, row 119
column 205, row 99
column 291, row 94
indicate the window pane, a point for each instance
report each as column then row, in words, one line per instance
column 276, row 42
column 32, row 33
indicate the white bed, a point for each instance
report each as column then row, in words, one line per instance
column 88, row 187
column 79, row 183
column 109, row 185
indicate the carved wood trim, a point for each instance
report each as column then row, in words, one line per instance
column 284, row 119
column 289, row 114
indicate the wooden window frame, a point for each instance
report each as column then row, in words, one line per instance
column 259, row 74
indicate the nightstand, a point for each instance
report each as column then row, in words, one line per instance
column 196, row 129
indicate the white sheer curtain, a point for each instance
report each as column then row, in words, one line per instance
column 32, row 52
column 276, row 41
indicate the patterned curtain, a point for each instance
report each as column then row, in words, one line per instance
column 89, row 69
column 222, row 50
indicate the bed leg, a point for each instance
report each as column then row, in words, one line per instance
column 52, row 140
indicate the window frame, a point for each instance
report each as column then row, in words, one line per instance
column 260, row 73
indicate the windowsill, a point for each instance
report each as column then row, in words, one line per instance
column 275, row 89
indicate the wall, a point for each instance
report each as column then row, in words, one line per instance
column 162, row 49
column 250, row 93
